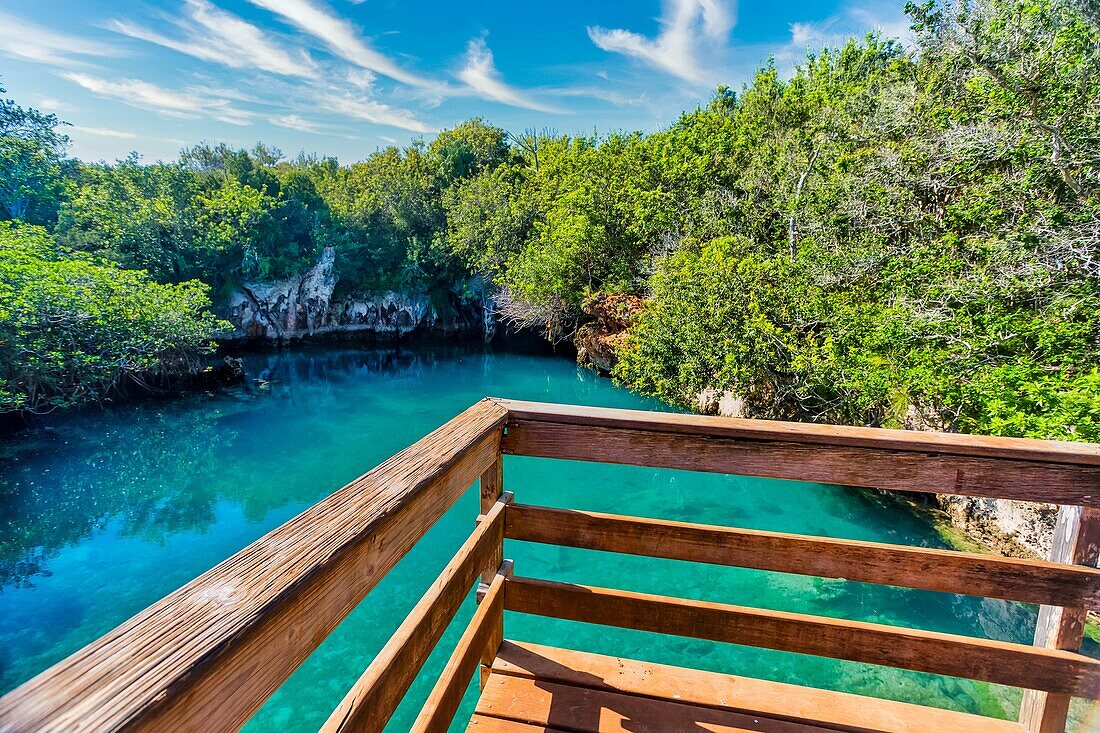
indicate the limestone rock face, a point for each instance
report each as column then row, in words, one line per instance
column 303, row 306
column 726, row 404
column 1017, row 528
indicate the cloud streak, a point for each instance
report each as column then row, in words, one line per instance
column 341, row 38
column 103, row 132
column 212, row 34
column 187, row 103
column 688, row 29
column 480, row 74
column 362, row 107
column 850, row 22
column 296, row 122
column 28, row 41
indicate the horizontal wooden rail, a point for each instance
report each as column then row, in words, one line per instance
column 207, row 656
column 999, row 662
column 446, row 696
column 771, row 431
column 371, row 701
column 1028, row 581
column 880, row 468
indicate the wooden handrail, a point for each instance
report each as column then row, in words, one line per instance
column 947, row 571
column 372, row 700
column 444, row 699
column 960, row 444
column 880, row 468
column 207, row 656
column 1000, row 662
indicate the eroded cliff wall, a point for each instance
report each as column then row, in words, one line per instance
column 305, row 306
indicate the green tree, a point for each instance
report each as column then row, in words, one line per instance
column 32, row 154
column 73, row 329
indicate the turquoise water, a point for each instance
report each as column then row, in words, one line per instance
column 104, row 513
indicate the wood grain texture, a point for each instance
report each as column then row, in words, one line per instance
column 1004, row 663
column 443, row 701
column 834, row 710
column 903, row 470
column 486, row 724
column 947, row 571
column 1076, row 541
column 207, row 656
column 1049, row 451
column 371, row 701
column 491, row 486
column 588, row 710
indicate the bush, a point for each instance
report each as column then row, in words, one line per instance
column 72, row 328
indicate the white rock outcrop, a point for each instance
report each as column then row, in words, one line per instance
column 304, row 306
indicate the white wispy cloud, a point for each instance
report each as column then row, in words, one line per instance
column 187, row 103
column 28, row 41
column 850, row 21
column 689, row 29
column 212, row 34
column 52, row 105
column 480, row 74
column 363, row 107
column 341, row 38
column 619, row 99
column 296, row 122
column 103, row 132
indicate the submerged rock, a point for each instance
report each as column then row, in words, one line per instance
column 304, row 306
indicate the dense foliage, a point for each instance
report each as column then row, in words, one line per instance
column 888, row 235
column 72, row 328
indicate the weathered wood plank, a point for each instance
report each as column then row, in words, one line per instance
column 207, row 656
column 1076, row 541
column 1004, row 478
column 439, row 709
column 834, row 710
column 492, row 487
column 487, row 724
column 947, row 571
column 1004, row 663
column 1049, row 451
column 371, row 701
column 588, row 710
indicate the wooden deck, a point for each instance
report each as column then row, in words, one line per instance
column 206, row 657
column 537, row 688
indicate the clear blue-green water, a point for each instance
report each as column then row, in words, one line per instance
column 105, row 512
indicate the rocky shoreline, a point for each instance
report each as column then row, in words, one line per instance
column 306, row 307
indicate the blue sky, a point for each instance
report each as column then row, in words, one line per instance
column 346, row 77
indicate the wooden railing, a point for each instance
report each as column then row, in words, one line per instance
column 207, row 656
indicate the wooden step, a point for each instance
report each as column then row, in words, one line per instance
column 542, row 688
column 585, row 710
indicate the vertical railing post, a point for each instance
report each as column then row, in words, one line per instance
column 492, row 488
column 1076, row 542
